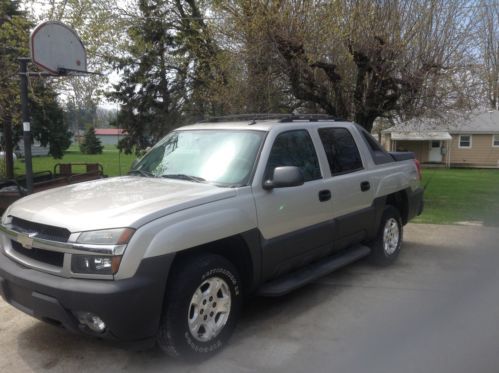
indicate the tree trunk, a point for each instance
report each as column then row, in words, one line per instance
column 365, row 120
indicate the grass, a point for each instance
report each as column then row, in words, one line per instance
column 110, row 160
column 461, row 195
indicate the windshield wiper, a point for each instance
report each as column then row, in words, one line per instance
column 140, row 172
column 197, row 179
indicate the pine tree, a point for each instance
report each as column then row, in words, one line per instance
column 47, row 117
column 170, row 59
column 14, row 36
column 91, row 144
column 151, row 86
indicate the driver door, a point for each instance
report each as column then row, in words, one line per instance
column 293, row 220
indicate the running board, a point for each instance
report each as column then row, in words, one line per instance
column 294, row 280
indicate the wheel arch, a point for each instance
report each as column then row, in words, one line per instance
column 400, row 201
column 242, row 250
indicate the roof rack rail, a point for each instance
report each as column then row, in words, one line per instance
column 283, row 118
column 250, row 117
column 310, row 117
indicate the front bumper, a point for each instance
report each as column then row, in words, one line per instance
column 131, row 308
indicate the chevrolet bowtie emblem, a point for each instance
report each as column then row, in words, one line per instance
column 26, row 240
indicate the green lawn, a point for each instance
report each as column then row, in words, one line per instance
column 461, row 195
column 110, row 160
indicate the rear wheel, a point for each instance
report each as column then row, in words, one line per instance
column 202, row 307
column 386, row 247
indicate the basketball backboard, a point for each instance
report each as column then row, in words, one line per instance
column 57, row 48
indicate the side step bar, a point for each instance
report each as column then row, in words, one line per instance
column 294, row 280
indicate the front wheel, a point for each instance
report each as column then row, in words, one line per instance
column 386, row 247
column 202, row 307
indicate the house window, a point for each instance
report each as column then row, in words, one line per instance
column 465, row 141
column 495, row 141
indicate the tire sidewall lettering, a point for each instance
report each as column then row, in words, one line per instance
column 215, row 344
column 175, row 336
column 222, row 271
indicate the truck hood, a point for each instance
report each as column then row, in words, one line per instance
column 128, row 201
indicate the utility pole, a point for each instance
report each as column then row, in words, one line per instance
column 23, row 74
column 9, row 149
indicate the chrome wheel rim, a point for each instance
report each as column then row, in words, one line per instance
column 391, row 236
column 209, row 309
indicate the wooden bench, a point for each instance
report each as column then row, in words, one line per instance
column 64, row 174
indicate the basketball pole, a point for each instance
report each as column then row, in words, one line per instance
column 23, row 74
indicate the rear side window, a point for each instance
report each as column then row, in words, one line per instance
column 341, row 151
column 373, row 144
column 379, row 155
column 294, row 148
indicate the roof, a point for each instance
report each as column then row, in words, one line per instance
column 109, row 131
column 258, row 125
column 264, row 122
column 414, row 136
column 484, row 122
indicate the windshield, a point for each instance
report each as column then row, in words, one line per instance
column 216, row 156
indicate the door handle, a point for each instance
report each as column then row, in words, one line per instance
column 365, row 186
column 324, row 195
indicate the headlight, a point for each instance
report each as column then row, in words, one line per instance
column 94, row 264
column 119, row 236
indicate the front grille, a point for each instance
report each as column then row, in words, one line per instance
column 46, row 232
column 49, row 257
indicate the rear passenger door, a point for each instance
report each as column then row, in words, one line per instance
column 350, row 186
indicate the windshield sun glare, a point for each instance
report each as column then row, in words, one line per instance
column 223, row 157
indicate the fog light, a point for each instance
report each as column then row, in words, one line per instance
column 91, row 320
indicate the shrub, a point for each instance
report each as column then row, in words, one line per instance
column 91, row 144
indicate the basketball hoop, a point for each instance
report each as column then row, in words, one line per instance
column 57, row 48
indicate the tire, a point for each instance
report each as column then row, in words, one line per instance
column 203, row 303
column 386, row 246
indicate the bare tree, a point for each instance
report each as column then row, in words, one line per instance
column 368, row 59
column 489, row 50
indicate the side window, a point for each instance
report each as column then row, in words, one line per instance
column 379, row 155
column 342, row 152
column 294, row 148
column 373, row 144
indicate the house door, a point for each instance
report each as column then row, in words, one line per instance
column 435, row 154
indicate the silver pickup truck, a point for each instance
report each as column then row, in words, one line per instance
column 211, row 214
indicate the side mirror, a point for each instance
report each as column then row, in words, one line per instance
column 284, row 177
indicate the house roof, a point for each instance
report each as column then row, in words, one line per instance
column 485, row 122
column 416, row 136
column 109, row 131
